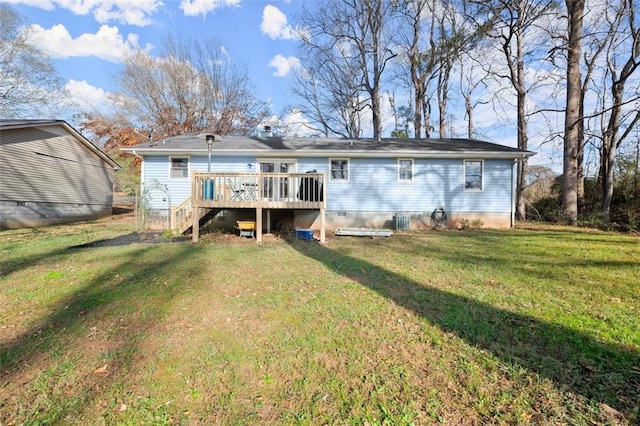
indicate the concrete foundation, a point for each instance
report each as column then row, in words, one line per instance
column 385, row 220
column 291, row 219
column 16, row 214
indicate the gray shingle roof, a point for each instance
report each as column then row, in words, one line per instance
column 296, row 146
column 26, row 122
column 7, row 125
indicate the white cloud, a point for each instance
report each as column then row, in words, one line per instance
column 107, row 43
column 298, row 125
column 41, row 4
column 202, row 7
column 274, row 24
column 127, row 12
column 284, row 64
column 86, row 96
column 130, row 12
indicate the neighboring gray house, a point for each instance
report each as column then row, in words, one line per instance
column 326, row 184
column 50, row 173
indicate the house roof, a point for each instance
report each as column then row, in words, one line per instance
column 18, row 124
column 13, row 123
column 313, row 147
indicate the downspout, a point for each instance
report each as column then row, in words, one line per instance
column 514, row 183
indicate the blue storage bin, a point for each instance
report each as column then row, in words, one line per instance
column 304, row 234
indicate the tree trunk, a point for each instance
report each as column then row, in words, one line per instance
column 469, row 110
column 607, row 161
column 426, row 111
column 580, row 172
column 417, row 121
column 575, row 9
column 418, row 86
column 375, row 108
column 442, row 122
column 521, row 210
column 443, row 82
column 609, row 143
column 523, row 141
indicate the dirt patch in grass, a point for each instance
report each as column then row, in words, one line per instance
column 222, row 237
column 134, row 238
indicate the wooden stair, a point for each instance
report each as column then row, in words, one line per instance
column 182, row 216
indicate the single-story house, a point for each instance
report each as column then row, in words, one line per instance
column 50, row 173
column 327, row 183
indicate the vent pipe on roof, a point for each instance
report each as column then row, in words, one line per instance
column 210, row 139
column 266, row 133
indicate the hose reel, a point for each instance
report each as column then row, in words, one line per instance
column 439, row 217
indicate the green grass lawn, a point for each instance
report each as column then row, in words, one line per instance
column 528, row 326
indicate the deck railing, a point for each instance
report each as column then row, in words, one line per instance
column 259, row 190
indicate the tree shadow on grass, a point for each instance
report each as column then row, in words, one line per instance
column 601, row 372
column 37, row 353
column 10, row 265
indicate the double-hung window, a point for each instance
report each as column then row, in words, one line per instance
column 473, row 170
column 179, row 167
column 339, row 169
column 405, row 169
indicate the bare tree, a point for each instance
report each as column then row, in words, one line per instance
column 453, row 37
column 432, row 36
column 357, row 30
column 512, row 22
column 472, row 77
column 192, row 87
column 328, row 89
column 598, row 30
column 446, row 57
column 417, row 61
column 623, row 60
column 28, row 80
column 594, row 42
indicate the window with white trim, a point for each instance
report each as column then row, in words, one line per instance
column 405, row 169
column 339, row 168
column 179, row 167
column 473, row 170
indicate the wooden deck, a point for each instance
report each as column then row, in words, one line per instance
column 259, row 191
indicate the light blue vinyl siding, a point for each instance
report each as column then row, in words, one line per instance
column 373, row 183
column 157, row 169
column 374, row 186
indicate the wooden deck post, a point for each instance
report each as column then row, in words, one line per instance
column 322, row 209
column 195, row 232
column 322, row 226
column 259, row 225
column 268, row 221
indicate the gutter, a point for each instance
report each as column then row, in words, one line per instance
column 350, row 154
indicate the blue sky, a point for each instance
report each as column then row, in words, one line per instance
column 88, row 39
